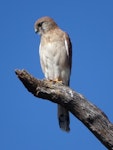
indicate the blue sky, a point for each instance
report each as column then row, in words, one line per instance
column 27, row 122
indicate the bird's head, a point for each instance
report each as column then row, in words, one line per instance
column 44, row 24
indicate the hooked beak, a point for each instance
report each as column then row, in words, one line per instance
column 36, row 30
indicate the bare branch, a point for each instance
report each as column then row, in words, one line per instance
column 91, row 116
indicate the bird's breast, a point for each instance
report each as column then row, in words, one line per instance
column 54, row 58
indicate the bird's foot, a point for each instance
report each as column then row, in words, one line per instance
column 57, row 81
column 54, row 81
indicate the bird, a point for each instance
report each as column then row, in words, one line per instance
column 55, row 51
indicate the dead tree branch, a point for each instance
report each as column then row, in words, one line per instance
column 91, row 116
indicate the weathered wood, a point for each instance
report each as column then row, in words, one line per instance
column 91, row 116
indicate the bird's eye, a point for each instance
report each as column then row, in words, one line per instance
column 40, row 24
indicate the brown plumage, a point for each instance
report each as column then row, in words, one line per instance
column 56, row 58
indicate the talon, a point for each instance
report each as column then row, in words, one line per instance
column 57, row 80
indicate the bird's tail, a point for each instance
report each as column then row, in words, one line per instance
column 63, row 117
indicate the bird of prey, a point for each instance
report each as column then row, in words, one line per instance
column 55, row 52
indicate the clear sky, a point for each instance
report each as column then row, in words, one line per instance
column 29, row 123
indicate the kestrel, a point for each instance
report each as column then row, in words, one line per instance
column 55, row 52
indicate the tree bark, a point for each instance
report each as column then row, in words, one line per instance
column 91, row 116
